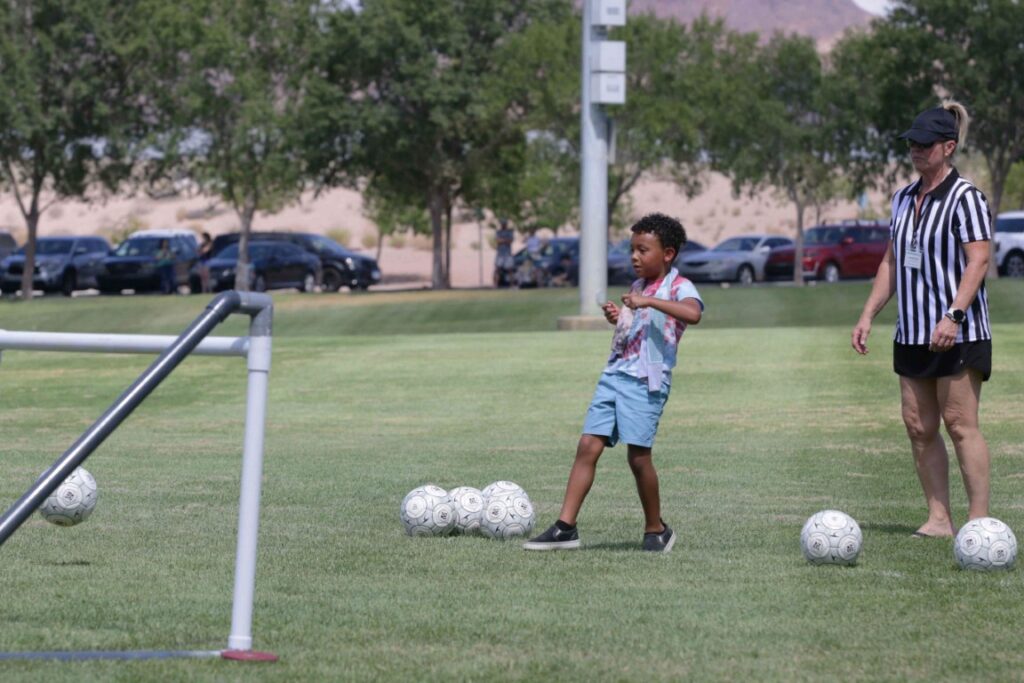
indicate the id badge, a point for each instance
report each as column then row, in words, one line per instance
column 912, row 257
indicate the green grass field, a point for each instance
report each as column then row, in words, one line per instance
column 772, row 417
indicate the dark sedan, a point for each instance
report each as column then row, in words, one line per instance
column 341, row 267
column 273, row 265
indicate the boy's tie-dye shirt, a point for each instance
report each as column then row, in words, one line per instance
column 629, row 343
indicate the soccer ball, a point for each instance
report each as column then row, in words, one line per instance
column 502, row 488
column 985, row 544
column 73, row 501
column 831, row 537
column 508, row 515
column 468, row 503
column 427, row 511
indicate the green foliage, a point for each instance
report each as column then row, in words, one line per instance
column 67, row 112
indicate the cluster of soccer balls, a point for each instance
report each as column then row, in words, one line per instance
column 501, row 510
column 833, row 537
column 73, row 501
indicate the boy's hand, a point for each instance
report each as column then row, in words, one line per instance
column 635, row 301
column 611, row 312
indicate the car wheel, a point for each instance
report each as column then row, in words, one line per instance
column 259, row 284
column 67, row 283
column 309, row 282
column 332, row 280
column 1014, row 264
column 745, row 275
column 830, row 273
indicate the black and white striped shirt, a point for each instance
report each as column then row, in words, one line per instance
column 952, row 214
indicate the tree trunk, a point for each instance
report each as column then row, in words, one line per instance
column 436, row 205
column 242, row 267
column 29, row 267
column 998, row 170
column 380, row 242
column 798, row 245
column 448, row 245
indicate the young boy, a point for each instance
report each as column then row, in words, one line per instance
column 632, row 391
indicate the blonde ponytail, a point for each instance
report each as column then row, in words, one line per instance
column 963, row 120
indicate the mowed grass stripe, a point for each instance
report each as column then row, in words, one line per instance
column 764, row 427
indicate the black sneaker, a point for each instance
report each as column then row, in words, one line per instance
column 554, row 539
column 660, row 541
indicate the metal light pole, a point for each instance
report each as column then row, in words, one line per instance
column 603, row 82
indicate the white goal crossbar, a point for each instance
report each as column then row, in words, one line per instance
column 255, row 348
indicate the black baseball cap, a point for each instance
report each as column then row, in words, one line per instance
column 932, row 125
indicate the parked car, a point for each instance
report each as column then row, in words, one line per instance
column 836, row 251
column 63, row 264
column 8, row 245
column 740, row 259
column 341, row 267
column 620, row 260
column 132, row 264
column 1009, row 239
column 275, row 264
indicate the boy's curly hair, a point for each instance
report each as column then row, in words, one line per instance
column 669, row 231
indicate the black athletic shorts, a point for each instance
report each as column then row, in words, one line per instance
column 915, row 360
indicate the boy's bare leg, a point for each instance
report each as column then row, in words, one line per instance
column 581, row 477
column 641, row 462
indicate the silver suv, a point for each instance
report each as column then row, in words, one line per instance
column 1010, row 243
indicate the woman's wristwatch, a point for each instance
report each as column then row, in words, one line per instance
column 957, row 315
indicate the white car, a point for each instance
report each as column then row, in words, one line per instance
column 740, row 259
column 1010, row 243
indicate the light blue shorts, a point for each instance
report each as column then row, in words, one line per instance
column 623, row 408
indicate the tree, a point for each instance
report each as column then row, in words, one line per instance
column 232, row 80
column 67, row 117
column 412, row 75
column 785, row 139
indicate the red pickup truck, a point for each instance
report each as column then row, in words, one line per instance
column 832, row 252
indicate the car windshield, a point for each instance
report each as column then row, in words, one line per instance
column 823, row 236
column 621, row 248
column 228, row 252
column 51, row 247
column 739, row 244
column 555, row 248
column 322, row 245
column 1010, row 225
column 141, row 246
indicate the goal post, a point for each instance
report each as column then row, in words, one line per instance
column 256, row 348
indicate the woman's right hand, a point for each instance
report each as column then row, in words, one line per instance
column 859, row 336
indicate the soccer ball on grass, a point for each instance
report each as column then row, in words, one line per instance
column 831, row 537
column 73, row 501
column 508, row 515
column 468, row 503
column 985, row 544
column 427, row 511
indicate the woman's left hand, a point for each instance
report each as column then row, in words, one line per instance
column 943, row 336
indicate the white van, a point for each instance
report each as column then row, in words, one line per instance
column 1010, row 243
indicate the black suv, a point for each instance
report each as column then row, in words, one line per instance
column 132, row 264
column 341, row 267
column 63, row 264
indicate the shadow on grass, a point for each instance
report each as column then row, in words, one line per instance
column 618, row 546
column 899, row 529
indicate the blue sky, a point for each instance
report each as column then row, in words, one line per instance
column 873, row 6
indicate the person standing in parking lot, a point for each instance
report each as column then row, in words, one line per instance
column 204, row 253
column 165, row 267
column 936, row 263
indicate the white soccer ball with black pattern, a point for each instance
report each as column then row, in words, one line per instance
column 468, row 503
column 73, row 501
column 508, row 515
column 985, row 544
column 831, row 537
column 427, row 511
column 502, row 487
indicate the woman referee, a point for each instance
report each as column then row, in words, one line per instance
column 936, row 263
